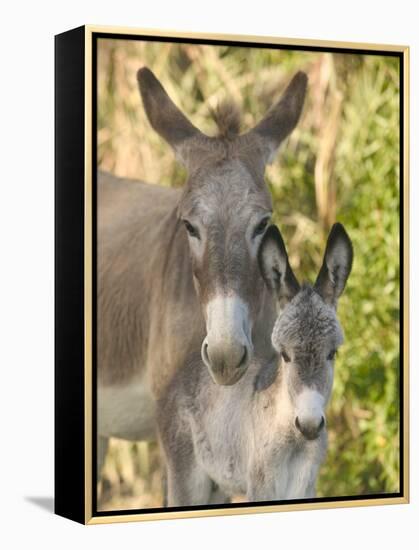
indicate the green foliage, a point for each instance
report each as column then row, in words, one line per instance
column 341, row 163
column 365, row 455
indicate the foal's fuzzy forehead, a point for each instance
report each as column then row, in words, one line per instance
column 307, row 322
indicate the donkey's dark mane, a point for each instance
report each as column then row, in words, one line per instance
column 227, row 117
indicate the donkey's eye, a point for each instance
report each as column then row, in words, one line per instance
column 332, row 354
column 260, row 228
column 193, row 231
column 285, row 357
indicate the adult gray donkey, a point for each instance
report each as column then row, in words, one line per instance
column 177, row 268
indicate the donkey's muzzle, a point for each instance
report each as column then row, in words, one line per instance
column 226, row 366
column 227, row 348
column 310, row 430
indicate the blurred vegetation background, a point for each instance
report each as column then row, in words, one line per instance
column 340, row 163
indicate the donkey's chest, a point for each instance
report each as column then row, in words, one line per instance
column 223, row 465
column 221, row 447
column 228, row 439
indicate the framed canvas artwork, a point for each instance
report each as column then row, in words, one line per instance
column 231, row 274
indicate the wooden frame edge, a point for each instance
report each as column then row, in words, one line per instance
column 88, row 273
column 167, row 33
column 269, row 508
column 90, row 519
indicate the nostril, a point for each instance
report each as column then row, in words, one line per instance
column 322, row 423
column 243, row 360
column 204, row 353
column 297, row 424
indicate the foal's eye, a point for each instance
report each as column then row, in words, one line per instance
column 193, row 231
column 260, row 228
column 331, row 355
column 285, row 357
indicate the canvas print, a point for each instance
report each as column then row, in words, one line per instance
column 248, row 265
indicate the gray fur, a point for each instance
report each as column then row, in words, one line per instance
column 247, row 438
column 155, row 281
column 227, row 117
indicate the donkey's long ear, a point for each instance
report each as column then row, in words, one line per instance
column 282, row 118
column 337, row 265
column 168, row 121
column 275, row 267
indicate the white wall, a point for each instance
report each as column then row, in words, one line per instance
column 26, row 396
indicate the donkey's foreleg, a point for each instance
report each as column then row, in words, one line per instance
column 268, row 474
column 164, row 486
column 303, row 473
column 187, row 485
column 266, row 482
column 102, row 449
column 218, row 496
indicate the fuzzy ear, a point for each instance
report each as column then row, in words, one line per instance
column 282, row 118
column 166, row 119
column 275, row 267
column 337, row 265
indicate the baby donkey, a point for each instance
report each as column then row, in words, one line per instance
column 264, row 437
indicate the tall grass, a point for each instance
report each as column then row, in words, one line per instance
column 341, row 163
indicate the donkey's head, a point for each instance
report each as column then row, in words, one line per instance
column 307, row 332
column 225, row 209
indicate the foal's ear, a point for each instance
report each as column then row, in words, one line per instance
column 282, row 118
column 166, row 119
column 337, row 265
column 275, row 267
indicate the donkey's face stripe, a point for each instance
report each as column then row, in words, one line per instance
column 228, row 341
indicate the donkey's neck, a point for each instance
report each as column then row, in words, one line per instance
column 270, row 386
column 177, row 326
column 267, row 375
